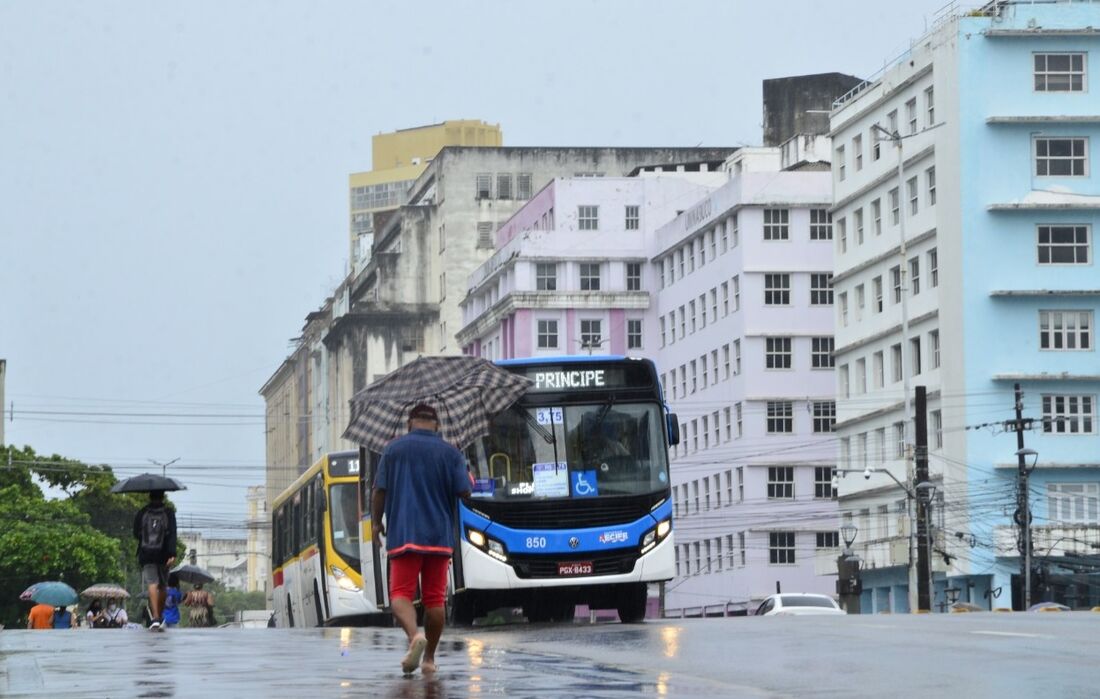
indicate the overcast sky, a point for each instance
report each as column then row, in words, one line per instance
column 173, row 176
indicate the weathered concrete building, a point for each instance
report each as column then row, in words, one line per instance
column 258, row 551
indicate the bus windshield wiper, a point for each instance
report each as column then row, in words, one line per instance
column 547, row 436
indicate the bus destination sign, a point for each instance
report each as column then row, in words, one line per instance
column 588, row 377
column 556, row 380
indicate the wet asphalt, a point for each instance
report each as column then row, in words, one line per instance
column 960, row 655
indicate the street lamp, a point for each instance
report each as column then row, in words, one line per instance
column 1024, row 513
column 848, row 532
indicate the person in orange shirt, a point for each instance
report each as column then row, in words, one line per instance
column 41, row 617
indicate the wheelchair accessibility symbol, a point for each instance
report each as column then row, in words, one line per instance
column 584, row 484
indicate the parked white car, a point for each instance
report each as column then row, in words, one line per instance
column 798, row 604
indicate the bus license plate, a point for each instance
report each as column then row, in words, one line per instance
column 575, row 568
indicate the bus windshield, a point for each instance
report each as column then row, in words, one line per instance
column 571, row 451
column 344, row 514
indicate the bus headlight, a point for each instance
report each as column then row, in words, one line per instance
column 663, row 528
column 656, row 534
column 476, row 538
column 496, row 550
column 649, row 539
column 343, row 581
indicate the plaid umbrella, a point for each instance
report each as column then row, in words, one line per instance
column 466, row 392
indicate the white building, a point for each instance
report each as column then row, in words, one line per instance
column 745, row 340
column 225, row 559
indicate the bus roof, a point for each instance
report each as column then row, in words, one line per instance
column 567, row 359
column 308, row 475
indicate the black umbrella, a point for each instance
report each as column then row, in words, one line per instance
column 465, row 391
column 147, row 483
column 192, row 574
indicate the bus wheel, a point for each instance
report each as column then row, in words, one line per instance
column 632, row 603
column 462, row 608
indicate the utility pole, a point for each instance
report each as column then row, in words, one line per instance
column 920, row 475
column 164, row 466
column 1023, row 506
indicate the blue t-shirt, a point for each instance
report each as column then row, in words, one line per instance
column 172, row 606
column 422, row 475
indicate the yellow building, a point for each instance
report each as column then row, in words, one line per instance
column 397, row 159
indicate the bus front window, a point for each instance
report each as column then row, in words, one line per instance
column 344, row 517
column 572, row 451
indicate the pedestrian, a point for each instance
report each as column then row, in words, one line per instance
column 63, row 619
column 172, row 602
column 155, row 530
column 418, row 480
column 40, row 617
column 201, row 603
column 115, row 616
column 94, row 616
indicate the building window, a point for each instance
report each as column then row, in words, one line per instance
column 634, row 334
column 895, row 356
column 777, row 289
column 934, row 348
column 823, row 482
column 736, row 282
column 914, row 275
column 911, row 115
column 895, row 206
column 861, row 302
column 548, row 334
column 442, row 286
column 933, row 268
column 1059, row 72
column 776, row 224
column 821, row 224
column 1061, row 157
column 485, row 234
column 876, row 294
column 590, row 276
column 841, row 166
column 484, row 186
column 821, row 353
column 930, row 180
column 1064, row 245
column 523, row 185
column 661, row 323
column 899, row 440
column 714, row 305
column 780, row 417
column 843, row 310
column 781, row 548
column 861, row 376
column 777, row 352
column 914, row 355
column 876, row 216
column 842, row 381
column 824, row 416
column 914, row 200
column 878, row 376
column 736, row 357
column 857, row 223
column 683, row 323
column 895, row 278
column 1065, row 330
column 591, row 334
column 827, row 540
column 632, row 218
column 857, row 152
column 1074, row 502
column 1063, row 414
column 504, row 186
column 821, row 289
column 781, row 482
column 633, row 276
column 588, row 218
column 929, row 107
column 691, row 309
column 842, row 235
column 937, row 429
column 546, row 276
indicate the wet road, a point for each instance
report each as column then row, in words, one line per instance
column 972, row 655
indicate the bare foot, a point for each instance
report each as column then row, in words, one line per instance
column 427, row 667
column 411, row 661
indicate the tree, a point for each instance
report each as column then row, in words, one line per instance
column 48, row 540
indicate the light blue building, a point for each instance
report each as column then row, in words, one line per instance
column 998, row 128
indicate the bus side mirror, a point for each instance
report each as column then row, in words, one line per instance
column 673, row 430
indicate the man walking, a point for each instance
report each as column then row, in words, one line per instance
column 155, row 530
column 418, row 479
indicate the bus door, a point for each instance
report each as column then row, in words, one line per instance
column 312, row 573
column 372, row 552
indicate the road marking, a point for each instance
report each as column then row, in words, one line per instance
column 1011, row 633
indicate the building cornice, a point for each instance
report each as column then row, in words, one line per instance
column 1046, row 206
column 887, row 94
column 883, row 256
column 1044, row 292
column 877, row 412
column 1044, row 119
column 1038, row 33
column 884, row 333
column 1044, row 376
column 891, row 174
column 1043, row 465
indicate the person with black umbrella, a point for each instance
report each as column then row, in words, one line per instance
column 155, row 530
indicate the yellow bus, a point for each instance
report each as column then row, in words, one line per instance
column 316, row 579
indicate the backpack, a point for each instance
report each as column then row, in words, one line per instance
column 154, row 530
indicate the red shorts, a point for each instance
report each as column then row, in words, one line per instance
column 431, row 571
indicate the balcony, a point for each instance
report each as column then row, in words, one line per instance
column 1052, row 540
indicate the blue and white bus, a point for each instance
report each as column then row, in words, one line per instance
column 571, row 498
